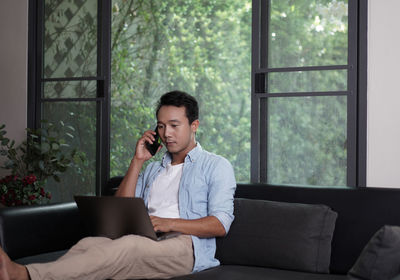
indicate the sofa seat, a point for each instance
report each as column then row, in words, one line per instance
column 41, row 258
column 239, row 272
column 231, row 272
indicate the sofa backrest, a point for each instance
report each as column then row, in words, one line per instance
column 361, row 212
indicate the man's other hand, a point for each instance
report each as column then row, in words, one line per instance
column 204, row 227
column 162, row 224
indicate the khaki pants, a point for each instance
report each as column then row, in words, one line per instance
column 129, row 257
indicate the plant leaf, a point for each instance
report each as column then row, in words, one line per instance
column 5, row 141
column 41, row 165
column 45, row 148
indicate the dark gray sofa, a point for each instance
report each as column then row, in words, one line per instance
column 42, row 233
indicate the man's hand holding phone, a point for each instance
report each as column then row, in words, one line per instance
column 148, row 145
column 127, row 187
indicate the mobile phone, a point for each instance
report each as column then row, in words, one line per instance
column 156, row 143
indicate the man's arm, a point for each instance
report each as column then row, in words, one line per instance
column 204, row 227
column 127, row 187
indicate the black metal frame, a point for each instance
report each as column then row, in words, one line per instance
column 356, row 92
column 103, row 78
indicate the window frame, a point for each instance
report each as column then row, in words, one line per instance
column 356, row 91
column 103, row 78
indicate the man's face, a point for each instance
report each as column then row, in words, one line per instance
column 175, row 131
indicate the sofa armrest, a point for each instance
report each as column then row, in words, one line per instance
column 32, row 230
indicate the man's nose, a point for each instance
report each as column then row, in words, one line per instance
column 167, row 132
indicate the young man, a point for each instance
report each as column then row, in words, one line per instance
column 190, row 191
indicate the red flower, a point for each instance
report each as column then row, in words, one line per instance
column 42, row 192
column 32, row 197
column 29, row 179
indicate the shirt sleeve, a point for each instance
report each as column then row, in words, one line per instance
column 139, row 186
column 221, row 193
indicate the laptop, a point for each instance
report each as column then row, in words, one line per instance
column 113, row 217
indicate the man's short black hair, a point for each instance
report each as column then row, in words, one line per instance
column 179, row 98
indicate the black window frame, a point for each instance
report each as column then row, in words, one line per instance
column 103, row 78
column 356, row 91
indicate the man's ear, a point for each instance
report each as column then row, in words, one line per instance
column 195, row 125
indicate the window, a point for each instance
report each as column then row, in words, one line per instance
column 308, row 93
column 281, row 84
column 68, row 85
column 202, row 47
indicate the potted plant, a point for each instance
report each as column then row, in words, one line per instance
column 42, row 155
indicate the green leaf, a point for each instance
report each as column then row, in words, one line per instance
column 5, row 141
column 45, row 148
column 55, row 146
column 69, row 134
column 41, row 165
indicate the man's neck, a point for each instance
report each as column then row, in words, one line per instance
column 179, row 158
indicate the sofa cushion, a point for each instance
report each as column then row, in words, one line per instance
column 279, row 235
column 380, row 259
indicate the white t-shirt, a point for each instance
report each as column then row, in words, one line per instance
column 163, row 196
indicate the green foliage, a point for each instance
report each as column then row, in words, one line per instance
column 42, row 154
column 202, row 47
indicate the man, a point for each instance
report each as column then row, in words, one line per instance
column 190, row 191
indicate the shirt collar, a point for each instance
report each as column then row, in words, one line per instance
column 192, row 155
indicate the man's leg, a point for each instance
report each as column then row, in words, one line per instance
column 129, row 257
column 83, row 245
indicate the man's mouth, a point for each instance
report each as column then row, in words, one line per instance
column 169, row 143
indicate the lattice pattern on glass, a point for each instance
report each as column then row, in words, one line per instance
column 70, row 39
column 70, row 89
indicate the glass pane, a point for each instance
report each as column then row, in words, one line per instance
column 70, row 89
column 201, row 47
column 308, row 33
column 307, row 140
column 79, row 179
column 70, row 39
column 307, row 81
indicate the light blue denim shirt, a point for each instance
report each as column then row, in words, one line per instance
column 206, row 188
